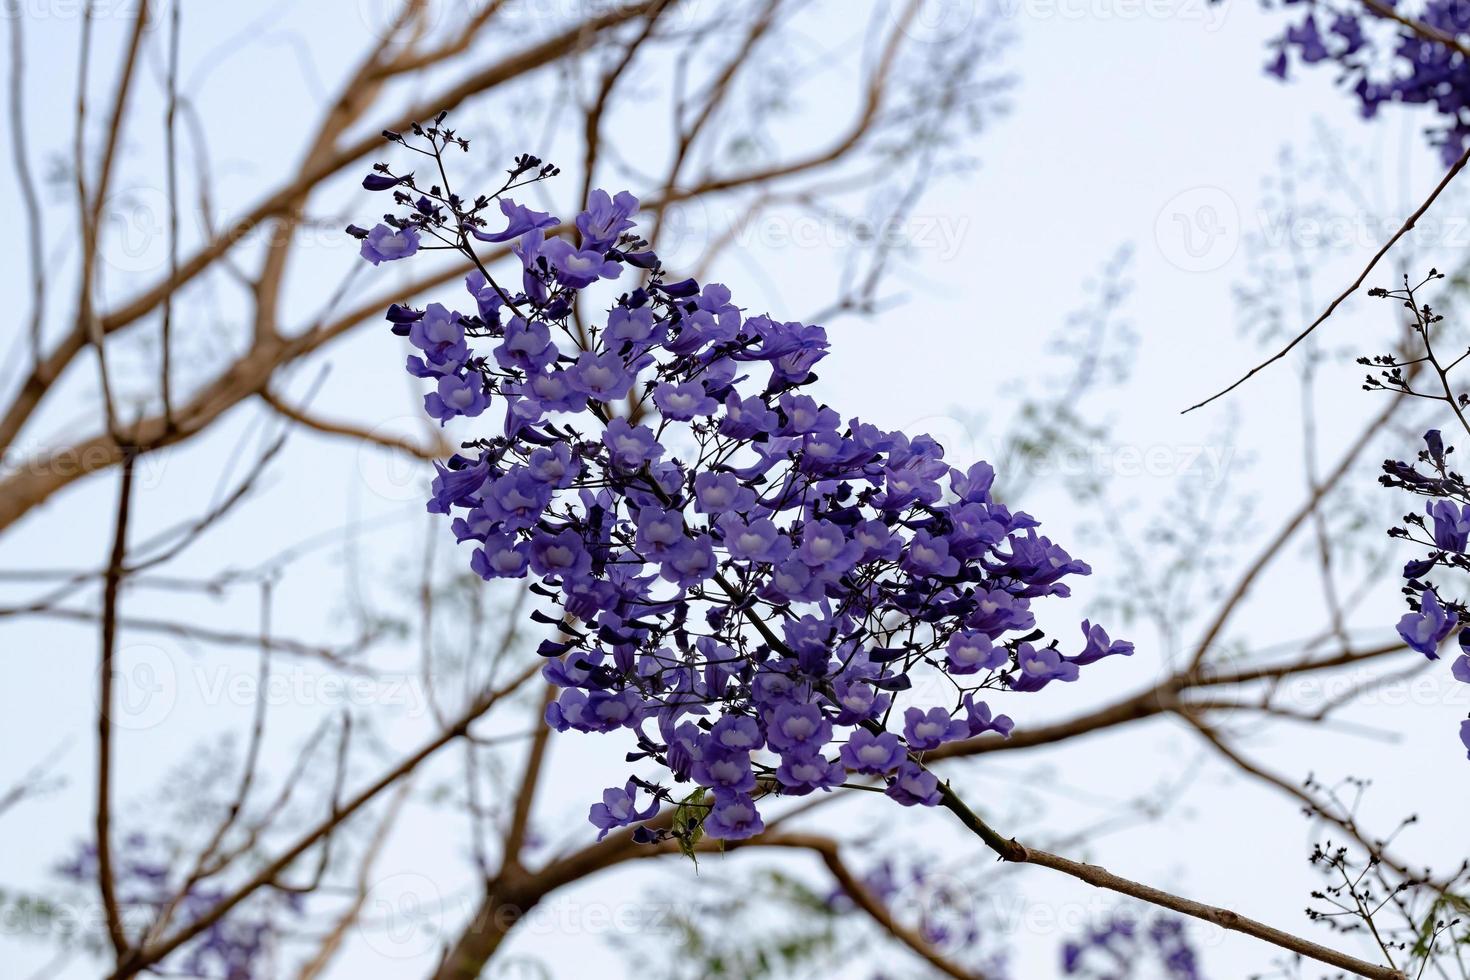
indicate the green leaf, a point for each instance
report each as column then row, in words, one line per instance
column 689, row 824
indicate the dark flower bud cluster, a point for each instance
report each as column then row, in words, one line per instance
column 742, row 580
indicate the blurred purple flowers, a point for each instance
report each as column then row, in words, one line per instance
column 1380, row 61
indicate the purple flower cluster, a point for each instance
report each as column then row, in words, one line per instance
column 234, row 948
column 1382, row 61
column 1116, row 949
column 1444, row 529
column 746, row 583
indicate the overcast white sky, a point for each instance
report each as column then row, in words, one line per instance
column 1135, row 122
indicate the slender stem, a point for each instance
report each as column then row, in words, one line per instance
column 1404, row 229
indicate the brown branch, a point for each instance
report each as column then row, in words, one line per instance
column 1099, row 877
column 410, row 61
column 409, row 447
column 283, row 199
column 1224, row 918
column 336, row 656
column 105, row 881
column 1163, row 698
column 852, row 886
column 591, row 134
column 37, row 780
column 515, row 66
column 525, row 797
column 91, row 210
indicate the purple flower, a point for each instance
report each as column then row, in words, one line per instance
column 601, row 376
column 383, row 244
column 691, row 562
column 745, row 417
column 971, row 651
column 979, row 720
column 800, row 774
column 455, row 396
column 517, row 500
column 877, row 540
column 792, row 581
column 578, row 267
column 720, row 493
column 913, row 785
column 1041, row 667
column 561, row 554
column 519, row 220
column 605, row 219
column 630, row 326
column 973, row 486
column 858, row 701
column 798, row 726
column 631, row 446
column 1427, row 628
column 927, row 556
column 757, row 540
column 804, row 415
column 1460, row 669
column 599, row 711
column 1434, row 444
column 929, row 730
column 684, row 401
column 382, row 182
column 440, row 335
column 875, row 755
column 823, row 545
column 659, row 532
column 552, row 391
column 1465, row 735
column 619, row 808
column 527, row 346
column 733, row 817
column 1040, row 564
column 736, row 733
column 1099, row 645
column 554, row 465
column 501, row 556
column 1308, row 40
column 1451, row 524
column 830, row 536
column 997, row 611
column 727, row 770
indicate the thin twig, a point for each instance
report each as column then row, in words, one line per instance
column 1332, row 307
